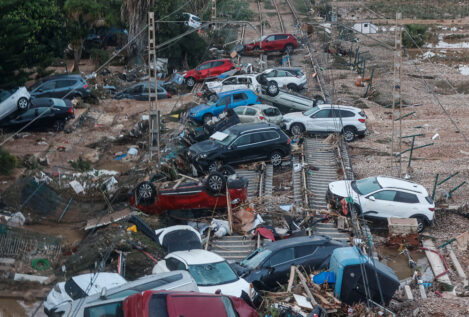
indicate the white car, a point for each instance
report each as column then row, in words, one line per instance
column 81, row 286
column 210, row 271
column 192, row 20
column 259, row 113
column 248, row 81
column 13, row 100
column 384, row 197
column 327, row 118
column 287, row 77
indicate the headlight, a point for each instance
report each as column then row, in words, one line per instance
column 203, row 155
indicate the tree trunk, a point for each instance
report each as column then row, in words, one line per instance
column 135, row 14
column 77, row 51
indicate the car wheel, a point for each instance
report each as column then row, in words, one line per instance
column 190, row 82
column 227, row 170
column 293, row 87
column 349, row 134
column 145, row 194
column 421, row 222
column 289, row 48
column 276, row 158
column 297, row 129
column 213, row 166
column 318, row 100
column 216, row 182
column 58, row 125
column 23, row 103
column 212, row 97
column 272, row 88
column 207, row 117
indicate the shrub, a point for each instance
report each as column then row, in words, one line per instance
column 418, row 32
column 81, row 164
column 8, row 162
column 99, row 56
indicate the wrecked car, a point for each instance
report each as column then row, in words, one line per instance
column 80, row 286
column 44, row 113
column 13, row 100
column 384, row 197
column 192, row 20
column 157, row 198
column 226, row 100
column 247, row 81
column 140, row 92
column 175, row 304
column 259, row 113
column 292, row 78
column 274, row 42
column 207, row 70
column 239, row 144
column 225, row 120
column 109, row 300
column 270, row 265
column 210, row 271
column 68, row 86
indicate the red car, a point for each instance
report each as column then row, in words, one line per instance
column 209, row 194
column 187, row 304
column 206, row 70
column 274, row 42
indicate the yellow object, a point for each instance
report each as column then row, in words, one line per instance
column 132, row 228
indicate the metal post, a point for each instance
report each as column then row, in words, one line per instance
column 411, row 151
column 456, row 188
column 434, row 185
column 448, row 178
column 152, row 79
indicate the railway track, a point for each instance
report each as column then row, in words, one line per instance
column 282, row 25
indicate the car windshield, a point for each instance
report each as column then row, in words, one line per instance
column 212, row 274
column 59, row 102
column 310, row 111
column 262, row 38
column 213, row 100
column 256, row 258
column 73, row 290
column 228, row 139
column 366, row 185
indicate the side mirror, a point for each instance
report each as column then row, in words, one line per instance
column 102, row 295
column 372, row 198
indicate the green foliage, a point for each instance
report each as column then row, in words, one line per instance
column 81, row 165
column 82, row 15
column 8, row 162
column 418, row 32
column 32, row 33
column 99, row 56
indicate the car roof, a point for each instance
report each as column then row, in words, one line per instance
column 397, row 183
column 247, row 127
column 261, row 106
column 328, row 106
column 283, row 68
column 103, row 279
column 280, row 244
column 196, row 256
column 217, row 60
column 278, row 34
column 230, row 92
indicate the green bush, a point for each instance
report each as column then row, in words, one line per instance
column 8, row 162
column 418, row 32
column 81, row 165
column 99, row 56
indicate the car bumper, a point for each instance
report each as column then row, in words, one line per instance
column 333, row 200
column 361, row 133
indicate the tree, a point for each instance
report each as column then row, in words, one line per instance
column 134, row 13
column 32, row 34
column 419, row 35
column 82, row 15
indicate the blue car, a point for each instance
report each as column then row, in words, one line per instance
column 226, row 100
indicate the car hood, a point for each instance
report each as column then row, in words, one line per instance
column 213, row 84
column 233, row 289
column 293, row 115
column 206, row 146
column 342, row 189
column 55, row 298
column 199, row 108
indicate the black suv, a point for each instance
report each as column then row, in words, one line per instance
column 239, row 144
column 60, row 86
column 270, row 265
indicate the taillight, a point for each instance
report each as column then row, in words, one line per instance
column 261, row 118
column 86, row 86
column 288, row 141
column 361, row 120
column 168, row 94
column 431, row 209
column 70, row 110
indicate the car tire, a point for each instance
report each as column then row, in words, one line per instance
column 289, row 48
column 276, row 158
column 349, row 134
column 206, row 118
column 215, row 182
column 227, row 170
column 145, row 194
column 23, row 104
column 297, row 128
column 421, row 222
column 190, row 82
column 318, row 100
column 212, row 97
column 293, row 87
column 272, row 88
column 213, row 166
column 58, row 125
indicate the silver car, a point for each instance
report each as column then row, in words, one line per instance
column 13, row 100
column 109, row 302
column 259, row 113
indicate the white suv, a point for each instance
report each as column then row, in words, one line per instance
column 384, row 197
column 327, row 118
column 248, row 81
column 288, row 77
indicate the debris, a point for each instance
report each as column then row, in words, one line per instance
column 220, row 227
column 462, row 240
column 408, row 292
column 77, row 187
column 103, row 221
column 437, row 262
column 302, row 301
column 17, row 220
column 132, row 151
column 132, row 228
column 31, row 278
column 403, row 231
column 456, row 263
column 423, row 295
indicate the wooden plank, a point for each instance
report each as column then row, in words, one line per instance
column 456, row 263
column 423, row 294
column 408, row 292
column 435, row 262
column 305, row 286
column 114, row 217
column 228, row 206
column 291, row 279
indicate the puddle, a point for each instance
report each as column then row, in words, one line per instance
column 400, row 263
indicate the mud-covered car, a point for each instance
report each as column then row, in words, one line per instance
column 225, row 120
column 207, row 193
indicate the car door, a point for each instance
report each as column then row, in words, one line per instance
column 319, row 121
column 24, row 118
column 239, row 99
column 282, row 78
column 240, row 112
column 305, row 255
column 379, row 204
column 63, row 87
column 222, row 105
column 272, row 115
column 230, row 83
column 216, row 69
column 45, row 117
column 239, row 150
column 406, row 204
column 268, row 43
column 204, row 69
column 250, row 115
column 139, row 92
column 45, row 90
column 279, row 266
column 280, row 41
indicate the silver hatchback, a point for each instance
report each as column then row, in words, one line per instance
column 13, row 100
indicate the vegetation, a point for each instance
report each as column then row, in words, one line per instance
column 423, row 9
column 81, row 165
column 99, row 56
column 419, row 34
column 8, row 162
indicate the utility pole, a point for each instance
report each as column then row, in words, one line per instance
column 214, row 12
column 154, row 114
column 396, row 166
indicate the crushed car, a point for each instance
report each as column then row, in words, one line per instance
column 274, row 42
column 140, row 92
column 207, row 70
column 292, row 78
column 259, row 113
column 13, row 100
column 193, row 195
column 225, row 120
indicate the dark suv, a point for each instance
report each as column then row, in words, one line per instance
column 60, row 86
column 239, row 144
